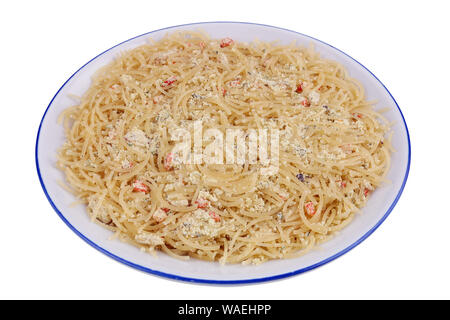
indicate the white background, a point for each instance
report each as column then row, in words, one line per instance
column 404, row 43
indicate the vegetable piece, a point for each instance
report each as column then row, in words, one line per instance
column 171, row 80
column 202, row 203
column 168, row 161
column 139, row 186
column 306, row 103
column 234, row 83
column 310, row 209
column 214, row 215
column 226, row 42
column 341, row 183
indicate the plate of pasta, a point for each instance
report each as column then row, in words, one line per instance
column 223, row 152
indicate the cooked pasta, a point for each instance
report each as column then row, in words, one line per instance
column 332, row 148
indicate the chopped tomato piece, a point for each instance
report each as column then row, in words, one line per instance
column 214, row 215
column 202, row 203
column 165, row 209
column 139, row 186
column 171, row 80
column 310, row 209
column 343, row 184
column 234, row 83
column 168, row 161
column 299, row 88
column 366, row 192
column 306, row 103
column 226, row 42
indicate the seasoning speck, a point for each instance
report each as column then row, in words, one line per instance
column 301, row 177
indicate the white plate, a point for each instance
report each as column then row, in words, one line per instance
column 51, row 136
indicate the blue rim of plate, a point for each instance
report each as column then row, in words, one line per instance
column 223, row 282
